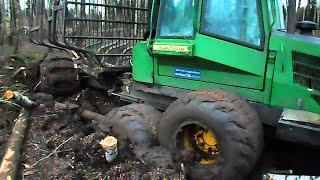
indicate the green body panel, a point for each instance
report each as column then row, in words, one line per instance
column 263, row 75
column 211, row 71
column 142, row 67
column 230, row 54
column 285, row 92
column 250, row 94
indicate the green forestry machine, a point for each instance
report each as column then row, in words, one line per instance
column 227, row 75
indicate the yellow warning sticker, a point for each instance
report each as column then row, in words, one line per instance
column 171, row 48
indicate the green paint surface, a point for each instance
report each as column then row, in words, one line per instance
column 263, row 75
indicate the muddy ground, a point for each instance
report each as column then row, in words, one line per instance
column 8, row 80
column 59, row 144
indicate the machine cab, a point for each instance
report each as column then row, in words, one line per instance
column 241, row 46
column 215, row 42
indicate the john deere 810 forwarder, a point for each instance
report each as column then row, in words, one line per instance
column 223, row 72
column 233, row 68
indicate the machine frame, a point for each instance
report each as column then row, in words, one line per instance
column 278, row 78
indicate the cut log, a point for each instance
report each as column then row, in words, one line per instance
column 10, row 162
column 89, row 115
column 103, row 122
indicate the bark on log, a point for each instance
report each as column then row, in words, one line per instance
column 10, row 162
column 103, row 122
column 92, row 116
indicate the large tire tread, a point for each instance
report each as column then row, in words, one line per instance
column 134, row 123
column 244, row 123
column 58, row 68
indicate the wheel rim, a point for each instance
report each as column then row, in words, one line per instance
column 202, row 141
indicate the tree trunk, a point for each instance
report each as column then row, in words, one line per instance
column 310, row 10
column 300, row 12
column 3, row 29
column 43, row 19
column 80, row 29
column 19, row 24
column 14, row 25
column 29, row 12
column 292, row 16
column 13, row 22
column 1, row 25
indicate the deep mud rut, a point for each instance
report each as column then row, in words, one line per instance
column 61, row 145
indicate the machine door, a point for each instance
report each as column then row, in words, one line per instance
column 232, row 38
column 225, row 44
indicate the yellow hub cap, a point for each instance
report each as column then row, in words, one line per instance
column 204, row 141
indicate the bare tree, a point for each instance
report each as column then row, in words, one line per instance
column 3, row 28
column 43, row 18
column 311, row 9
column 13, row 22
column 80, row 26
column 15, row 12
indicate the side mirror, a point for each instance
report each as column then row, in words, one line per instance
column 307, row 27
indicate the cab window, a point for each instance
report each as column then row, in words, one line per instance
column 234, row 20
column 176, row 18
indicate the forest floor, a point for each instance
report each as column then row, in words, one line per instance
column 8, row 66
column 59, row 144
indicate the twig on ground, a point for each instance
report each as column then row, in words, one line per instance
column 52, row 153
column 38, row 148
column 37, row 85
column 67, row 150
column 12, row 104
column 14, row 86
column 20, row 70
column 9, row 87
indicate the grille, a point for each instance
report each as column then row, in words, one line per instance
column 306, row 70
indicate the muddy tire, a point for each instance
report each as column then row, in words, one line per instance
column 236, row 126
column 135, row 124
column 58, row 74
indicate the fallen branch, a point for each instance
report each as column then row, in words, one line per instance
column 20, row 70
column 20, row 99
column 52, row 153
column 9, row 103
column 10, row 162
